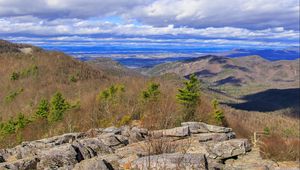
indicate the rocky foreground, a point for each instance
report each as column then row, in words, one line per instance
column 194, row 145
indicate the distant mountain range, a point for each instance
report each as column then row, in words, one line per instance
column 248, row 74
column 147, row 60
column 269, row 54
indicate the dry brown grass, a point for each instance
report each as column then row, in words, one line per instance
column 246, row 123
column 280, row 149
column 54, row 71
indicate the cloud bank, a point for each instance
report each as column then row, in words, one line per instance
column 253, row 22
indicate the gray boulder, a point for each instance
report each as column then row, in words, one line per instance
column 171, row 161
column 21, row 164
column 113, row 140
column 216, row 137
column 113, row 130
column 229, row 148
column 94, row 163
column 91, row 147
column 200, row 127
column 174, row 132
column 94, row 132
column 61, row 156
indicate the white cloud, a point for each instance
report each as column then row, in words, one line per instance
column 251, row 14
column 193, row 22
column 41, row 27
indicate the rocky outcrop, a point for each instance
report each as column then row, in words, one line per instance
column 194, row 145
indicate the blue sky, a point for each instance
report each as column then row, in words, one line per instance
column 195, row 24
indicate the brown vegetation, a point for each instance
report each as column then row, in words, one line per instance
column 80, row 84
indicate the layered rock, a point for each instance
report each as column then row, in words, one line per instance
column 194, row 145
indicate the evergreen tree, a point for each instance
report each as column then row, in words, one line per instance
column 111, row 93
column 21, row 121
column 188, row 96
column 217, row 112
column 152, row 92
column 43, row 109
column 58, row 107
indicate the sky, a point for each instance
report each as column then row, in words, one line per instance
column 153, row 24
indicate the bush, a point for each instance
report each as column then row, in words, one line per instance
column 13, row 125
column 217, row 112
column 12, row 95
column 111, row 93
column 188, row 96
column 15, row 76
column 31, row 71
column 73, row 79
column 125, row 120
column 21, row 121
column 43, row 109
column 280, row 149
column 152, row 92
column 9, row 127
column 58, row 107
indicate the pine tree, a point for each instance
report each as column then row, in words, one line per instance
column 21, row 121
column 188, row 96
column 152, row 92
column 217, row 112
column 58, row 107
column 43, row 109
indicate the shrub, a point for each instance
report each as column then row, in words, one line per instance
column 111, row 93
column 217, row 112
column 31, row 71
column 21, row 121
column 152, row 92
column 266, row 130
column 12, row 95
column 125, row 120
column 188, row 96
column 15, row 76
column 280, row 149
column 58, row 107
column 12, row 125
column 43, row 109
column 73, row 79
column 9, row 127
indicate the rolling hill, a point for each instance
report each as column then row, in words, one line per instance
column 102, row 93
column 244, row 74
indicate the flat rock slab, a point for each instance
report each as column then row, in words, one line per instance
column 216, row 137
column 229, row 148
column 200, row 127
column 174, row 132
column 171, row 161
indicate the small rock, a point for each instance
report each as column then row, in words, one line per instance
column 113, row 130
column 94, row 132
